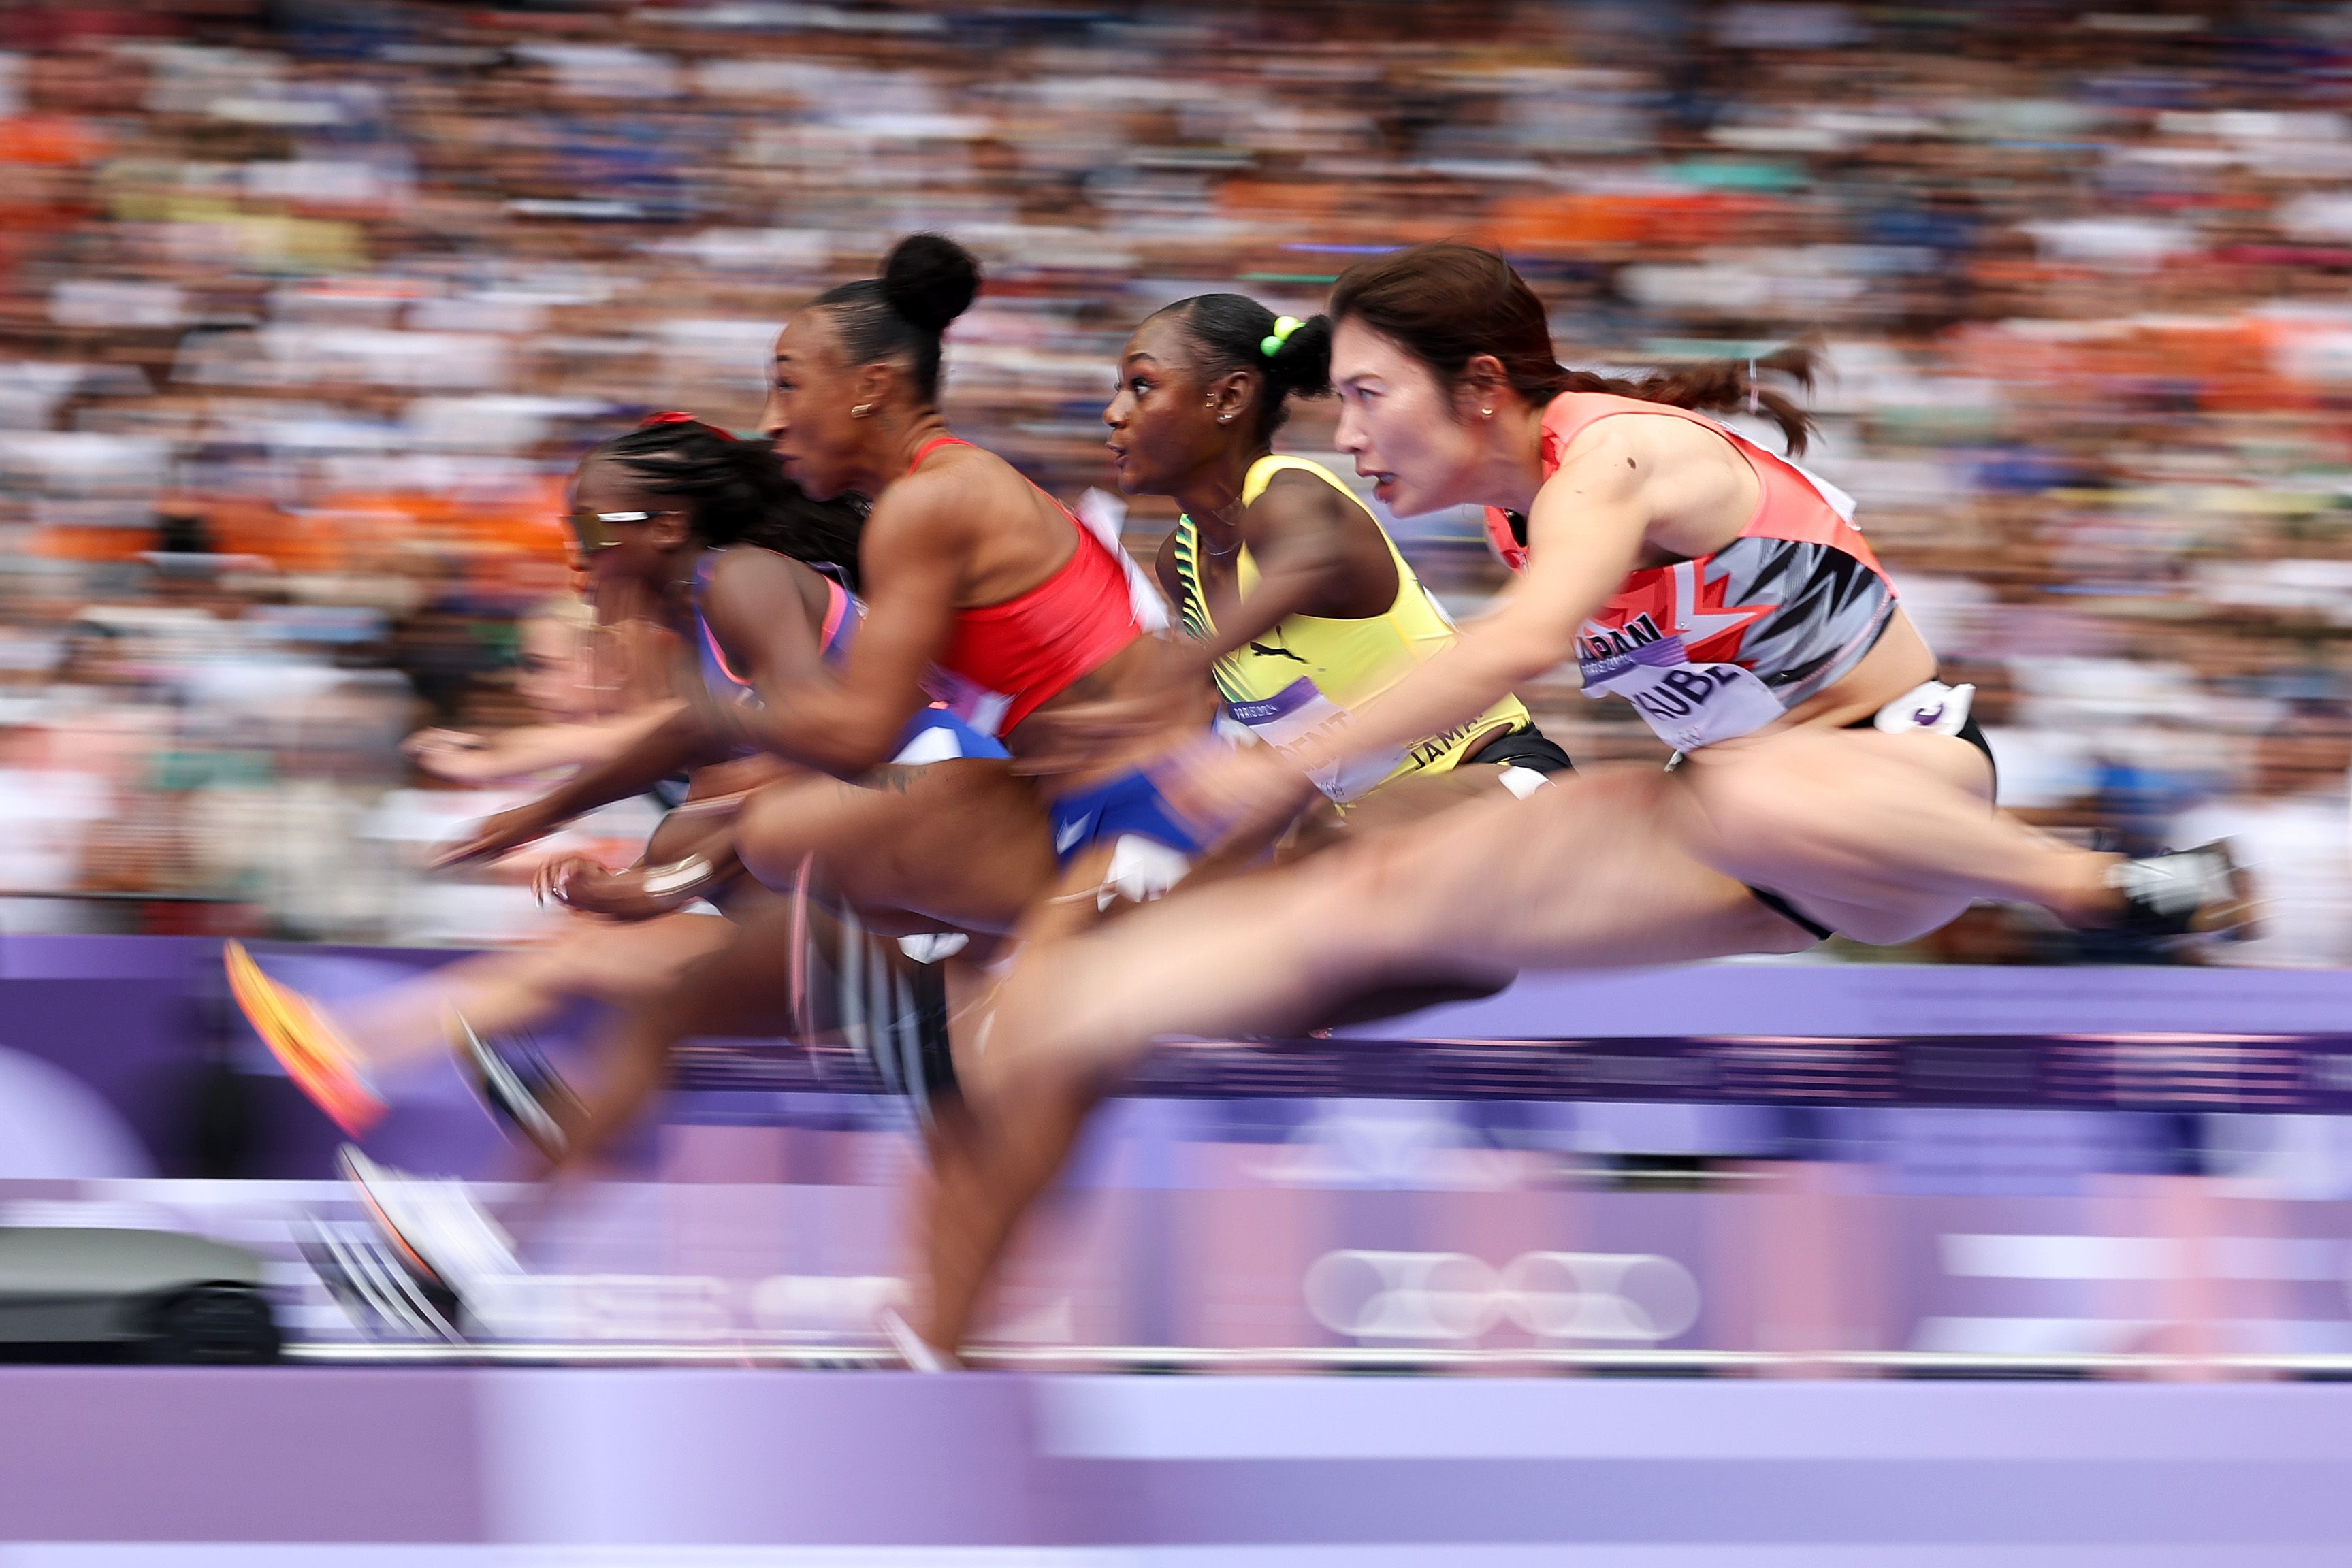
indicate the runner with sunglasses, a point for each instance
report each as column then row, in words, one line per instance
column 982, row 592
column 681, row 523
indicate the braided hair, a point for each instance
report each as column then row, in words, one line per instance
column 739, row 494
column 1230, row 332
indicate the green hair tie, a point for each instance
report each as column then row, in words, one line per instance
column 1284, row 326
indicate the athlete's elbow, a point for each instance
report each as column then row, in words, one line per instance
column 858, row 751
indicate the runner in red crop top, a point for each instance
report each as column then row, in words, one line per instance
column 981, row 590
column 1006, row 659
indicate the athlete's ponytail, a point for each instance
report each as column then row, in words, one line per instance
column 1231, row 332
column 1445, row 304
column 928, row 280
column 737, row 492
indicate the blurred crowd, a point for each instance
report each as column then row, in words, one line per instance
column 307, row 307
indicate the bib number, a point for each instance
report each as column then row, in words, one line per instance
column 1687, row 705
column 1298, row 711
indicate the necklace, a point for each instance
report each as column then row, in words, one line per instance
column 1201, row 541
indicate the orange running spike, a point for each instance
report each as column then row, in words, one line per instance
column 311, row 1050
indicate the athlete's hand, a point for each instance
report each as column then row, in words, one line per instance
column 494, row 836
column 1167, row 695
column 1235, row 794
column 580, row 883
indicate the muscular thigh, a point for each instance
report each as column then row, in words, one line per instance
column 963, row 842
column 625, row 965
column 1817, row 763
column 1811, row 813
column 1585, row 873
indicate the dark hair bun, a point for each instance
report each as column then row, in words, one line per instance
column 1302, row 366
column 930, row 280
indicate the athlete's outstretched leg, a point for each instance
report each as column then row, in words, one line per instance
column 1585, row 873
column 744, row 986
column 1881, row 837
column 497, row 992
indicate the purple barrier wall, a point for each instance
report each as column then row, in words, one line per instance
column 1454, row 1470
column 137, row 1019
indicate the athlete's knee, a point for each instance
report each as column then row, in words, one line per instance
column 772, row 838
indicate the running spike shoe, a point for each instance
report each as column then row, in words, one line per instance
column 521, row 1087
column 448, row 1245
column 297, row 1031
column 2202, row 892
column 380, row 1295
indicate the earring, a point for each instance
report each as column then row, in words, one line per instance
column 1486, row 412
column 859, row 410
column 1224, row 419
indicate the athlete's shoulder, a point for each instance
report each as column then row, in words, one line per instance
column 1282, row 488
column 1166, row 568
column 750, row 585
column 937, row 500
column 1643, row 438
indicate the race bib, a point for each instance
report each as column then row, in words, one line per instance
column 1687, row 705
column 1298, row 711
column 966, row 698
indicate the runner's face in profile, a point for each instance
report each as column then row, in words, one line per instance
column 811, row 389
column 1162, row 429
column 613, row 534
column 1400, row 425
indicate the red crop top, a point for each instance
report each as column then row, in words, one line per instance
column 1005, row 661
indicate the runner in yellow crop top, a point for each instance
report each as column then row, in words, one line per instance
column 1298, row 605
column 1307, row 670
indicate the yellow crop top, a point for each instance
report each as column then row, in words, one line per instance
column 1310, row 671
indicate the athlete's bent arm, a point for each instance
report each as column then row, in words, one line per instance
column 1585, row 534
column 682, row 741
column 1301, row 535
column 847, row 723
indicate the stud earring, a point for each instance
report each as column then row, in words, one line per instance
column 1486, row 412
column 1224, row 419
column 859, row 410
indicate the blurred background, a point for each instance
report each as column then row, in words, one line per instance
column 306, row 308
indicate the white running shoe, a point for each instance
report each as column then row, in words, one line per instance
column 2181, row 893
column 436, row 1229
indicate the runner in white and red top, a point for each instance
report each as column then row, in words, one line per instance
column 1823, row 780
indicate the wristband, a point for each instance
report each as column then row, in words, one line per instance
column 688, row 875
